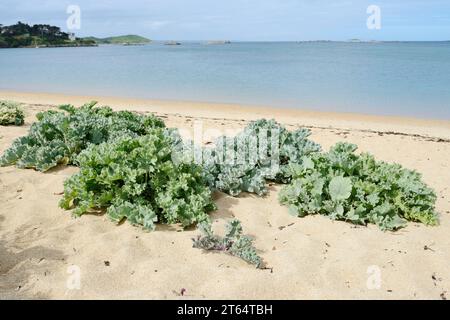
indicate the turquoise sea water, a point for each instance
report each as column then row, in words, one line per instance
column 411, row 79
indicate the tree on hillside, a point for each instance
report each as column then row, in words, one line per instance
column 22, row 34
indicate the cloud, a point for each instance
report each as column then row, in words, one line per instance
column 156, row 25
column 239, row 19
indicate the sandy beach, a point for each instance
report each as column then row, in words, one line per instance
column 308, row 258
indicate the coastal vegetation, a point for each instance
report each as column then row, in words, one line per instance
column 59, row 136
column 135, row 179
column 346, row 186
column 134, row 168
column 244, row 173
column 125, row 161
column 234, row 242
column 123, row 40
column 22, row 35
column 11, row 113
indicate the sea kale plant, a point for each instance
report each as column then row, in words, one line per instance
column 357, row 188
column 59, row 136
column 11, row 113
column 134, row 168
column 134, row 178
column 233, row 243
column 261, row 152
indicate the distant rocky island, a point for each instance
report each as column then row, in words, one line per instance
column 172, row 43
column 130, row 39
column 218, row 42
column 22, row 35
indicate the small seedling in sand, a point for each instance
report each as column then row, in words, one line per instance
column 233, row 243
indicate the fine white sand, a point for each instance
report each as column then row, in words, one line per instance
column 311, row 258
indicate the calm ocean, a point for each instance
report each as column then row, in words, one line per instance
column 411, row 79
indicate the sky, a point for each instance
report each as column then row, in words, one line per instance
column 241, row 20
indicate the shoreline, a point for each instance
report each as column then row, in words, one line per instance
column 433, row 128
column 52, row 46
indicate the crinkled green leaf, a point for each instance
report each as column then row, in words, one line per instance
column 340, row 188
column 360, row 190
column 11, row 113
column 136, row 179
column 244, row 163
column 59, row 136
